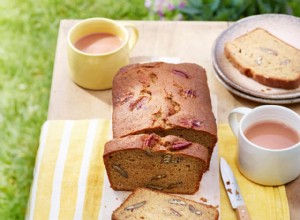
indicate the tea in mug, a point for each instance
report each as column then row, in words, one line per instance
column 272, row 135
column 98, row 43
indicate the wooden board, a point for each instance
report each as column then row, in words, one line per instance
column 209, row 189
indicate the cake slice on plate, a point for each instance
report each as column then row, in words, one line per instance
column 266, row 58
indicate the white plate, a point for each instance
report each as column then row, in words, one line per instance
column 285, row 27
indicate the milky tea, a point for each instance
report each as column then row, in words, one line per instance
column 98, row 43
column 272, row 135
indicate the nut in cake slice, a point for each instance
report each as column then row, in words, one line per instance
column 266, row 58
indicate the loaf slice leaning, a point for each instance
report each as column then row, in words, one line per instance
column 267, row 59
column 169, row 164
column 148, row 205
column 166, row 99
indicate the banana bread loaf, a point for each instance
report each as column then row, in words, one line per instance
column 166, row 99
column 148, row 205
column 170, row 164
column 265, row 58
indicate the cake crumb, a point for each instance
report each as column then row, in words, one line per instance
column 229, row 190
column 228, row 182
column 203, row 199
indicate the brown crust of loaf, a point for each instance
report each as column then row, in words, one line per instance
column 138, row 142
column 267, row 81
column 155, row 193
column 162, row 98
column 156, row 144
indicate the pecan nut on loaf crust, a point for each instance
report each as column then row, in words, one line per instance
column 166, row 99
column 148, row 205
column 169, row 164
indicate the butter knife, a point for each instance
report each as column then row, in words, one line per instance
column 233, row 191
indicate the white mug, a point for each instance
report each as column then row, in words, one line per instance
column 262, row 165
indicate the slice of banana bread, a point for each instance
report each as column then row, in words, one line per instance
column 169, row 164
column 148, row 205
column 267, row 59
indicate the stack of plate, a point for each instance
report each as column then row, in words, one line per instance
column 286, row 28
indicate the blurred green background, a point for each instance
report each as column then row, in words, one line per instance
column 28, row 34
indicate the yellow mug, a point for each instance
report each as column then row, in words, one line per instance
column 96, row 71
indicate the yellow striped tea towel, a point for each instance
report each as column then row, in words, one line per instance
column 263, row 202
column 69, row 170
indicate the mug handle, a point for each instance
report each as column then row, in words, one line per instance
column 234, row 123
column 134, row 35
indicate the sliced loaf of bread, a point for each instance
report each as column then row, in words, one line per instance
column 266, row 58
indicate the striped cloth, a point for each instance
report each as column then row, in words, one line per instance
column 68, row 175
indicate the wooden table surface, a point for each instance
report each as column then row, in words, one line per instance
column 190, row 41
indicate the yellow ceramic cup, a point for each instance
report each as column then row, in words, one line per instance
column 96, row 71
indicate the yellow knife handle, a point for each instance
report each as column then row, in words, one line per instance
column 242, row 213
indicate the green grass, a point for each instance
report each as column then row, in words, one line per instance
column 28, row 34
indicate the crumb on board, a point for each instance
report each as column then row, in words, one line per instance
column 229, row 190
column 203, row 199
column 228, row 182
